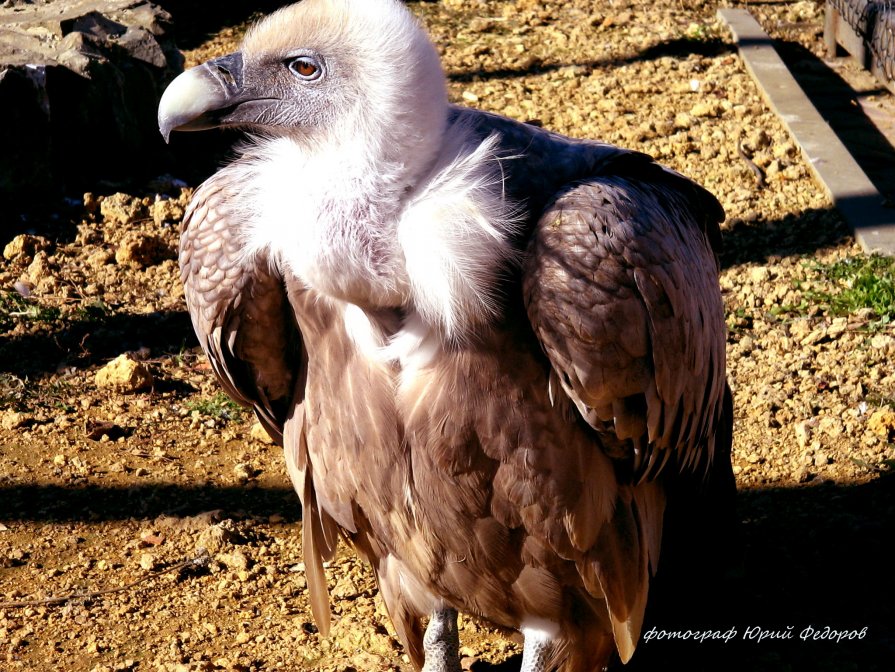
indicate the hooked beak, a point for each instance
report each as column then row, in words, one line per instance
column 206, row 96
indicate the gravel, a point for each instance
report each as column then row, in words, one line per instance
column 104, row 487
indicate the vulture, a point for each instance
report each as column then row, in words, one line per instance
column 489, row 351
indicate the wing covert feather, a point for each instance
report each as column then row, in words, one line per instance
column 243, row 317
column 621, row 289
column 240, row 310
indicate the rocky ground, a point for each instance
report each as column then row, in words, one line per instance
column 129, row 481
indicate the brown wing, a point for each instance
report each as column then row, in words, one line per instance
column 240, row 310
column 243, row 318
column 621, row 289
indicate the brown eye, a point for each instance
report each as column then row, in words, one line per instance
column 305, row 67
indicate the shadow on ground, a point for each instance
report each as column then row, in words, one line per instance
column 839, row 105
column 814, row 556
column 97, row 503
column 676, row 47
column 94, row 340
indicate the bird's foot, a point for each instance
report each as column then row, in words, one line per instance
column 441, row 642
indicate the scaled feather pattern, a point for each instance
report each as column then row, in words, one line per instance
column 489, row 351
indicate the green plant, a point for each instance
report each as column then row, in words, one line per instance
column 14, row 306
column 220, row 406
column 859, row 283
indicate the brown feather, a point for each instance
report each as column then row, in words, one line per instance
column 519, row 474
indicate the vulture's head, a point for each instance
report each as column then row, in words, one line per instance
column 321, row 72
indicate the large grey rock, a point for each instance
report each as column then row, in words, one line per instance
column 79, row 85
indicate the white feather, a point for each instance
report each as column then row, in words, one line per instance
column 456, row 236
column 388, row 205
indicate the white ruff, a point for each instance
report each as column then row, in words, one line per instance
column 455, row 234
column 313, row 213
column 362, row 235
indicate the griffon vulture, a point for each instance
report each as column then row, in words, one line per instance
column 487, row 349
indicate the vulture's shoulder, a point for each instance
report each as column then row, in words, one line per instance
column 621, row 289
column 239, row 306
column 538, row 166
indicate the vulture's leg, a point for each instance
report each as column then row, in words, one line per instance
column 441, row 642
column 535, row 651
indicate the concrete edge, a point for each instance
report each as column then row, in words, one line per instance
column 851, row 191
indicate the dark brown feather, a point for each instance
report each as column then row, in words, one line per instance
column 477, row 482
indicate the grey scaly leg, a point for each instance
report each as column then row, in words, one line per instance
column 441, row 642
column 535, row 651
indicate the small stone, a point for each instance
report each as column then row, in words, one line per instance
column 91, row 202
column 260, row 434
column 706, row 109
column 39, row 269
column 237, row 560
column 139, row 250
column 683, row 121
column 24, row 247
column 803, row 433
column 244, row 471
column 799, row 329
column 883, row 342
column 882, row 422
column 166, row 211
column 152, row 538
column 122, row 209
column 124, row 374
column 759, row 274
column 147, row 562
column 14, row 420
column 821, row 459
column 97, row 259
column 216, row 538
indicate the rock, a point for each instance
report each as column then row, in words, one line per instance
column 882, row 422
column 759, row 274
column 707, row 109
column 260, row 434
column 14, row 420
column 167, row 211
column 39, row 269
column 147, row 561
column 124, row 374
column 683, row 121
column 803, row 433
column 91, row 202
column 80, row 81
column 152, row 538
column 218, row 537
column 237, row 560
column 139, row 250
column 122, row 209
column 244, row 472
column 24, row 247
column 97, row 259
column 883, row 342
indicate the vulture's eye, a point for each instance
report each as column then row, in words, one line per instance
column 305, row 67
